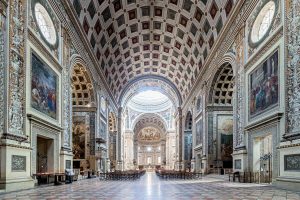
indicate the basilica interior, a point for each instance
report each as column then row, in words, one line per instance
column 156, row 94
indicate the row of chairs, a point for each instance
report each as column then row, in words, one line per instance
column 169, row 174
column 122, row 175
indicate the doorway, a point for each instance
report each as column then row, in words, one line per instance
column 45, row 155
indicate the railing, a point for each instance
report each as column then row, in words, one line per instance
column 122, row 175
column 253, row 177
column 169, row 174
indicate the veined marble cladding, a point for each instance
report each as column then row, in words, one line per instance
column 292, row 162
column 18, row 163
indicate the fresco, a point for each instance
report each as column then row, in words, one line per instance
column 199, row 131
column 225, row 129
column 43, row 87
column 264, row 86
column 149, row 134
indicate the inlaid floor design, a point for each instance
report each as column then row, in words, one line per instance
column 150, row 187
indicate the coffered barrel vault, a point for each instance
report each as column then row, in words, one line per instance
column 170, row 38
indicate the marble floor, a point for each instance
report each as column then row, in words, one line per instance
column 150, row 187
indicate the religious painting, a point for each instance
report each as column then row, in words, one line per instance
column 149, row 134
column 43, row 87
column 225, row 130
column 79, row 140
column 199, row 131
column 264, row 86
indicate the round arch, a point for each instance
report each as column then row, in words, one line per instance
column 153, row 82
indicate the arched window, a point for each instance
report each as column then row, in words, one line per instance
column 263, row 22
column 45, row 23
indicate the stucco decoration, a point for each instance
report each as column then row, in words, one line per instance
column 16, row 91
column 239, row 90
column 293, row 67
column 67, row 97
column 3, row 53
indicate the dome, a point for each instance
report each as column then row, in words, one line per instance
column 150, row 101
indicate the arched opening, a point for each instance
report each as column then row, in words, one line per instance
column 220, row 121
column 83, row 128
column 149, row 135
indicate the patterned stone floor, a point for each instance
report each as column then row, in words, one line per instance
column 150, row 187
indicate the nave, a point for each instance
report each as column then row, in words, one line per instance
column 151, row 187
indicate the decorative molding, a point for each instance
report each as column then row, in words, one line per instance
column 46, row 123
column 262, row 51
column 266, row 121
column 19, row 138
column 42, row 49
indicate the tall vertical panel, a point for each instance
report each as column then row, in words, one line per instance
column 16, row 93
column 3, row 53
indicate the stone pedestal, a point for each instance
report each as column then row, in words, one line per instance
column 239, row 158
column 66, row 159
column 289, row 175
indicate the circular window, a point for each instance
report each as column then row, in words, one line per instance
column 45, row 24
column 263, row 22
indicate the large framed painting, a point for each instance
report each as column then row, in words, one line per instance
column 199, row 131
column 225, row 130
column 264, row 86
column 44, row 83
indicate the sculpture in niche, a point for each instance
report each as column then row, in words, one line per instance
column 149, row 134
column 264, row 86
column 43, row 87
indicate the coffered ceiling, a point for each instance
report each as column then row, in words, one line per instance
column 167, row 38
